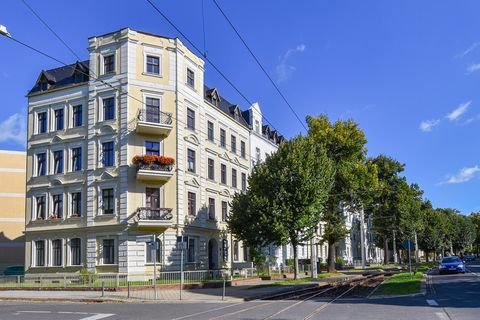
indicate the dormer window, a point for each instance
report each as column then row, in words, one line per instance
column 44, row 85
column 78, row 77
column 257, row 126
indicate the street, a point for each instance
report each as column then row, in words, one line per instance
column 452, row 296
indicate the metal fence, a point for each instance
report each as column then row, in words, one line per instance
column 166, row 285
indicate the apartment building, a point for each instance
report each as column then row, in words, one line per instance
column 12, row 204
column 132, row 160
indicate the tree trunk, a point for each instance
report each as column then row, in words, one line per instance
column 295, row 262
column 385, row 251
column 426, row 256
column 331, row 256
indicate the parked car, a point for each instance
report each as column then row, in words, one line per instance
column 469, row 257
column 14, row 271
column 451, row 264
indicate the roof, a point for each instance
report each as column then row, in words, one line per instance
column 212, row 96
column 65, row 76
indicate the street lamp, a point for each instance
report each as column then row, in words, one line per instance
column 4, row 32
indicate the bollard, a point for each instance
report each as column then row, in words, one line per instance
column 223, row 292
column 128, row 289
column 103, row 288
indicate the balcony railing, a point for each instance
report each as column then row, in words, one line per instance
column 154, row 122
column 155, row 167
column 157, row 214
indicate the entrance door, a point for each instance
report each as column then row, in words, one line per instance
column 212, row 254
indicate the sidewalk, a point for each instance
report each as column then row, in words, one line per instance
column 232, row 294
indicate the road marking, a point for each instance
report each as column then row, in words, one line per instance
column 432, row 302
column 35, row 311
column 98, row 316
column 441, row 315
column 207, row 311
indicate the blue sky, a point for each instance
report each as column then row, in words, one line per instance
column 408, row 72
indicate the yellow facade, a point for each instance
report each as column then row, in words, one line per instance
column 12, row 204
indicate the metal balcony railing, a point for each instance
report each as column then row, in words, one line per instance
column 159, row 214
column 155, row 116
column 155, row 167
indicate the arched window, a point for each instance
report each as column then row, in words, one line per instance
column 154, row 250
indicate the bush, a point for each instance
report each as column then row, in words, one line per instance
column 87, row 277
column 339, row 263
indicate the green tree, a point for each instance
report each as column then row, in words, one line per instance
column 285, row 197
column 385, row 206
column 475, row 217
column 353, row 180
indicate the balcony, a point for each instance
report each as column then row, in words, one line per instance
column 154, row 122
column 154, row 168
column 151, row 219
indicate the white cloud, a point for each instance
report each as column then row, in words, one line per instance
column 283, row 69
column 428, row 125
column 468, row 50
column 464, row 175
column 14, row 129
column 473, row 67
column 461, row 109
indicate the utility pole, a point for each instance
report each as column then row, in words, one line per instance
column 416, row 247
column 362, row 237
column 394, row 248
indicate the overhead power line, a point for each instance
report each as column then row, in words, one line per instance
column 259, row 64
column 206, row 58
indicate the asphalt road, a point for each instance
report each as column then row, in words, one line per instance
column 454, row 297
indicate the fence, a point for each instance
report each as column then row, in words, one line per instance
column 167, row 285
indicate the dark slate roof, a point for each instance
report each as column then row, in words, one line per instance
column 62, row 77
column 223, row 104
column 272, row 135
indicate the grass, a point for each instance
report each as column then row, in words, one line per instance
column 290, row 282
column 401, row 283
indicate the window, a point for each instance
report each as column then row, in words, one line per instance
column 242, row 149
column 211, row 208
column 154, row 248
column 190, row 119
column 57, row 200
column 235, row 250
column 153, row 65
column 41, row 164
column 108, row 253
column 224, row 210
column 77, row 159
column 109, row 64
column 108, row 201
column 223, row 138
column 210, row 130
column 75, row 252
column 244, row 181
column 40, row 253
column 41, row 207
column 192, row 206
column 77, row 116
column 108, row 154
column 57, row 253
column 152, row 148
column 257, row 152
column 76, row 204
column 190, row 78
column 153, row 110
column 191, row 250
column 234, row 144
column 245, row 253
column 191, row 160
column 152, row 196
column 108, row 108
column 58, row 162
column 211, row 169
column 234, row 178
column 59, row 119
column 42, row 122
column 223, row 174
column 257, row 126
